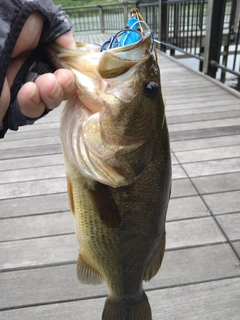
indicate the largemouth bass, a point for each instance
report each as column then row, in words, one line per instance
column 116, row 148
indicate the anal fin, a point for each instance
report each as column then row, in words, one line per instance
column 155, row 263
column 86, row 274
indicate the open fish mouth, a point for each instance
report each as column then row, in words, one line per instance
column 103, row 128
column 100, row 69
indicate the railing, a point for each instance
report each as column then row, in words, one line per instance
column 109, row 17
column 208, row 30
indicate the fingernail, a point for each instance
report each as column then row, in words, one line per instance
column 54, row 94
column 66, row 40
column 34, row 96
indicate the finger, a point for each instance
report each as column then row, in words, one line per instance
column 67, row 81
column 4, row 100
column 66, row 40
column 50, row 90
column 30, row 35
column 30, row 101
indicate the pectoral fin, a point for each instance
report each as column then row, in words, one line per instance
column 105, row 205
column 155, row 263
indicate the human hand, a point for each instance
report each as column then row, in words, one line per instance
column 49, row 89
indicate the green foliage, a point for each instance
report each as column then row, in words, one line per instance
column 75, row 3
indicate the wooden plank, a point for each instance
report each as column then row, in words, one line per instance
column 39, row 126
column 208, row 154
column 212, row 167
column 182, row 188
column 237, row 246
column 30, row 151
column 32, row 188
column 218, row 300
column 203, row 116
column 231, row 225
column 227, row 202
column 210, row 142
column 204, row 124
column 59, row 283
column 34, row 205
column 197, row 301
column 29, row 174
column 60, row 223
column 186, row 208
column 38, row 252
column 62, row 249
column 192, row 232
column 19, row 135
column 173, row 159
column 205, row 110
column 177, row 172
column 31, row 162
column 219, row 183
column 204, row 133
column 35, row 226
column 195, row 95
column 30, row 142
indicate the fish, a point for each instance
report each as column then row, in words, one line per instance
column 115, row 143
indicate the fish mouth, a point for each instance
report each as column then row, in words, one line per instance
column 107, row 83
column 98, row 72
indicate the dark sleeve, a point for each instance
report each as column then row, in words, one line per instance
column 13, row 15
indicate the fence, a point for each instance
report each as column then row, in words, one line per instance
column 209, row 30
column 109, row 17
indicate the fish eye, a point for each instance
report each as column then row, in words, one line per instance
column 151, row 90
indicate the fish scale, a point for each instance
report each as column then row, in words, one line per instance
column 118, row 168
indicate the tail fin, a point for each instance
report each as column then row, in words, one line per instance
column 129, row 310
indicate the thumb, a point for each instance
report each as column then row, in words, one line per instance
column 66, row 40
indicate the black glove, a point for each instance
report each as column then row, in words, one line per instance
column 13, row 15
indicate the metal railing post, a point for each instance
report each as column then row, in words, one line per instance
column 125, row 12
column 164, row 25
column 237, row 16
column 102, row 27
column 160, row 19
column 213, row 41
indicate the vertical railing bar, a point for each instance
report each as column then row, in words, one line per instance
column 196, row 27
column 185, row 22
column 236, row 48
column 181, row 23
column 188, row 6
column 192, row 27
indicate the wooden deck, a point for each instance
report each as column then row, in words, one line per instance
column 200, row 275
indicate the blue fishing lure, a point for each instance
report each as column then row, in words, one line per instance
column 129, row 37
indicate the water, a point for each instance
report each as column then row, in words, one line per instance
column 231, row 80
